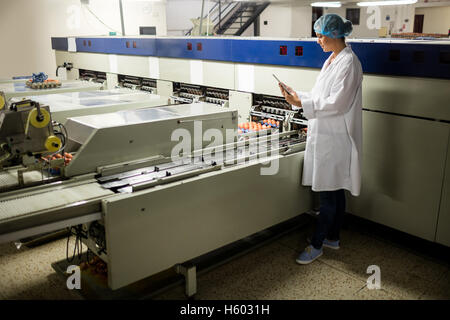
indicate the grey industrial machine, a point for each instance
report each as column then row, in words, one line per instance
column 26, row 132
column 153, row 188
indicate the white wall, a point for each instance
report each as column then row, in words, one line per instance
column 436, row 19
column 180, row 12
column 26, row 28
column 359, row 31
column 285, row 20
column 301, row 21
column 279, row 21
column 391, row 17
column 250, row 32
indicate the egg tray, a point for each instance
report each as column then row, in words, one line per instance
column 47, row 84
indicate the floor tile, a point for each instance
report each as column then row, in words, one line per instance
column 27, row 273
column 350, row 239
column 401, row 272
column 440, row 290
column 269, row 272
column 375, row 294
column 272, row 273
column 7, row 249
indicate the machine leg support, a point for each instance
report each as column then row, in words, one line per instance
column 189, row 271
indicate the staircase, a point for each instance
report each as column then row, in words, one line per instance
column 233, row 18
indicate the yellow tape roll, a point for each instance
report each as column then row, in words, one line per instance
column 52, row 143
column 34, row 121
column 2, row 101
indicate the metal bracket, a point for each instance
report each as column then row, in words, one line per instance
column 180, row 99
column 189, row 271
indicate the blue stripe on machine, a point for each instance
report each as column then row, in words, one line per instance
column 402, row 59
column 195, row 48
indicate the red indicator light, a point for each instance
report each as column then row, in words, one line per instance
column 298, row 51
column 199, row 47
column 189, row 46
column 283, row 50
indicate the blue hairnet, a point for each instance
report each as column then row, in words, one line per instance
column 333, row 26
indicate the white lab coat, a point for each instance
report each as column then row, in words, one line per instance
column 333, row 108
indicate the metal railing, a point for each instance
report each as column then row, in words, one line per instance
column 224, row 15
column 217, row 14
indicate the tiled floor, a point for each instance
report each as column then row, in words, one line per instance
column 269, row 272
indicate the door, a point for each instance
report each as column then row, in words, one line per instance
column 317, row 12
column 418, row 23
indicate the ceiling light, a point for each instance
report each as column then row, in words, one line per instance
column 326, row 4
column 385, row 3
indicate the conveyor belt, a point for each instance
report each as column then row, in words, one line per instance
column 150, row 176
column 8, row 179
column 28, row 204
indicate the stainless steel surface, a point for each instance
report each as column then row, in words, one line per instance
column 21, row 90
column 131, row 117
column 72, row 104
column 127, row 136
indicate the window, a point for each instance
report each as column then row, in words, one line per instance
column 352, row 14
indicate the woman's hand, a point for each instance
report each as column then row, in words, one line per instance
column 291, row 98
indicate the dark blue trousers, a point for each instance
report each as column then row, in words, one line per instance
column 330, row 218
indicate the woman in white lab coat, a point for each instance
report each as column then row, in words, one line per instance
column 333, row 153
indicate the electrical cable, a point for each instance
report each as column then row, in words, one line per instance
column 87, row 255
column 90, row 11
column 78, row 247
